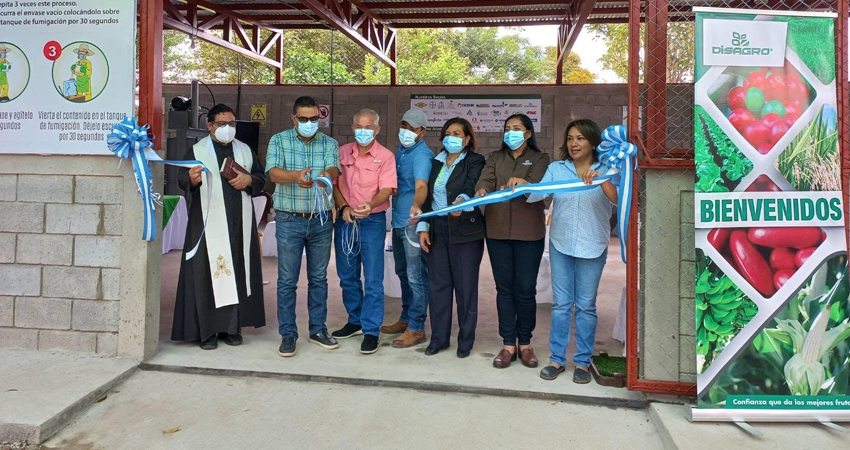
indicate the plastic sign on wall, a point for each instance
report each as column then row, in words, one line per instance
column 66, row 74
column 772, row 328
column 486, row 113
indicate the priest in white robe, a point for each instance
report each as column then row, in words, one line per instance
column 220, row 289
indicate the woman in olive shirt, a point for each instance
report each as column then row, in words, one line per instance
column 515, row 234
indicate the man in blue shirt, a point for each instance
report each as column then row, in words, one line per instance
column 413, row 166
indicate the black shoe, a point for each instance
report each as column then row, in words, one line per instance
column 463, row 353
column 551, row 372
column 431, row 351
column 581, row 376
column 324, row 340
column 233, row 339
column 287, row 347
column 349, row 330
column 210, row 344
column 369, row 345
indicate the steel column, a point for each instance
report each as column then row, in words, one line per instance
column 150, row 68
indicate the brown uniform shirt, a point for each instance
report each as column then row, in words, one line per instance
column 516, row 219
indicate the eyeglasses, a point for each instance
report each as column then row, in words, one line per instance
column 222, row 124
column 313, row 119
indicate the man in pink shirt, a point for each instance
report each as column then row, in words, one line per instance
column 362, row 192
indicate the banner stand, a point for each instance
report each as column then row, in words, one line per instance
column 772, row 310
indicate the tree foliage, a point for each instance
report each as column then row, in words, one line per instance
column 425, row 56
column 680, row 50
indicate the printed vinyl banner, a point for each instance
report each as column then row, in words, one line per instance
column 487, row 113
column 66, row 74
column 772, row 331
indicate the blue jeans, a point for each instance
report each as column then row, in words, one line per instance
column 293, row 234
column 412, row 270
column 364, row 310
column 574, row 283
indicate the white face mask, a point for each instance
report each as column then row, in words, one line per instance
column 225, row 134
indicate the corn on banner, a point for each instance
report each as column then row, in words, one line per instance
column 772, row 332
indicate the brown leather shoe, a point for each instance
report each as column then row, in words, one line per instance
column 396, row 328
column 527, row 357
column 409, row 339
column 503, row 359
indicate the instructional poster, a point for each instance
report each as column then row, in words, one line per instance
column 487, row 113
column 67, row 74
column 772, row 311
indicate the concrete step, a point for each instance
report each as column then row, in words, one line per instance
column 41, row 392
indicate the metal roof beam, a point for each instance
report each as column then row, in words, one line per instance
column 229, row 22
column 476, row 14
column 373, row 33
column 474, row 4
column 571, row 26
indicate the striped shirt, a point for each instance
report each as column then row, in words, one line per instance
column 440, row 197
column 580, row 220
column 289, row 152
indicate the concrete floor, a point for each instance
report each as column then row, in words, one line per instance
column 259, row 353
column 40, row 391
column 241, row 413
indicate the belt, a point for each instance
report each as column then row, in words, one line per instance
column 303, row 215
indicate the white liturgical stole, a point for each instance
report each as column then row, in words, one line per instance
column 217, row 234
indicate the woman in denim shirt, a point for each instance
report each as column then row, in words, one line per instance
column 454, row 243
column 578, row 247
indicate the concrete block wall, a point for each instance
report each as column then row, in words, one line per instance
column 667, row 339
column 71, row 257
column 55, row 251
column 602, row 103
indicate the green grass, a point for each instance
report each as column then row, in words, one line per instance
column 609, row 365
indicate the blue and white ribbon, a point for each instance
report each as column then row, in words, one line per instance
column 620, row 155
column 320, row 196
column 616, row 153
column 128, row 140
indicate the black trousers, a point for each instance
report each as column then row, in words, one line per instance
column 515, row 266
column 453, row 269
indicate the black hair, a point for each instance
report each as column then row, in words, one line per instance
column 590, row 130
column 529, row 125
column 467, row 130
column 304, row 102
column 218, row 109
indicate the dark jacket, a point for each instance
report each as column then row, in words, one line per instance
column 516, row 219
column 470, row 225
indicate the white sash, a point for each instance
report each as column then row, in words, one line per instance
column 217, row 234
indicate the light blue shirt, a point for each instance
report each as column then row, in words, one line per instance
column 440, row 196
column 411, row 164
column 580, row 220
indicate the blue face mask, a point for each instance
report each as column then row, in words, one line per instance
column 453, row 144
column 406, row 137
column 364, row 136
column 81, row 56
column 514, row 139
column 308, row 129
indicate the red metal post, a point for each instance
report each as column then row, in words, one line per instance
column 279, row 56
column 656, row 78
column 150, row 68
column 393, row 56
column 633, row 126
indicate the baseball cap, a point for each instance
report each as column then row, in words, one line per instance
column 415, row 117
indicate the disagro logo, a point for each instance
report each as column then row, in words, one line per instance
column 744, row 43
column 740, row 46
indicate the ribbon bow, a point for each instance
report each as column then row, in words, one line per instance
column 616, row 152
column 129, row 140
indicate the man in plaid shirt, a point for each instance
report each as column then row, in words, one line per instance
column 295, row 158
